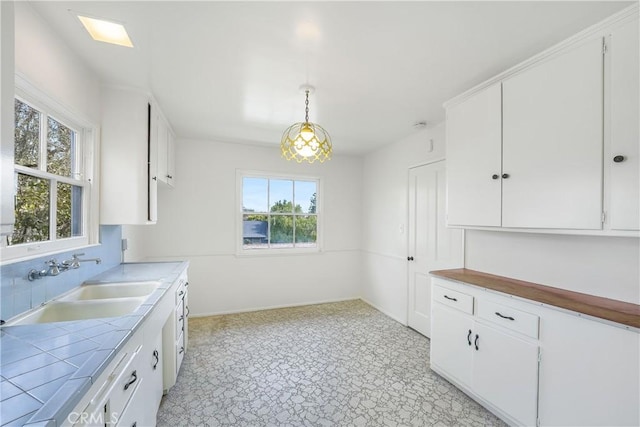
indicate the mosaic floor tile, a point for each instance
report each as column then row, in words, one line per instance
column 339, row 364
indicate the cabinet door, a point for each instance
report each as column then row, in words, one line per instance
column 589, row 373
column 451, row 333
column 153, row 362
column 552, row 142
column 152, row 165
column 624, row 182
column 171, row 160
column 163, row 142
column 505, row 373
column 474, row 144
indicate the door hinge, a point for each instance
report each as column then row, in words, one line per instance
column 539, row 356
column 537, row 422
column 604, row 47
column 604, row 217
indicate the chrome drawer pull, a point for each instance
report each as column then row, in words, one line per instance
column 504, row 317
column 452, row 299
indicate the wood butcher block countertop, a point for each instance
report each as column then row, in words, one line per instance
column 604, row 308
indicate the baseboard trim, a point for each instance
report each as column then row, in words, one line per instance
column 385, row 312
column 274, row 307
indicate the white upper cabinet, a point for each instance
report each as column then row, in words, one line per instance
column 128, row 158
column 166, row 162
column 474, row 150
column 171, row 159
column 552, row 142
column 622, row 160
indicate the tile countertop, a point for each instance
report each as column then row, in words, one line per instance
column 625, row 313
column 46, row 368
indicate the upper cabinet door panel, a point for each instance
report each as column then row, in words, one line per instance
column 552, row 142
column 474, row 147
column 625, row 135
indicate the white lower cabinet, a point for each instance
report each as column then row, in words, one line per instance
column 453, row 335
column 496, row 366
column 532, row 364
column 505, row 372
column 129, row 390
column 589, row 373
column 176, row 333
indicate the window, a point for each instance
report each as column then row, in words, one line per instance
column 279, row 213
column 51, row 185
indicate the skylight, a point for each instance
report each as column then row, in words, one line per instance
column 106, row 31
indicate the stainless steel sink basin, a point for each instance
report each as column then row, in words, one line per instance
column 111, row 290
column 60, row 311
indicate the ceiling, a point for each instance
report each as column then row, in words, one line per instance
column 230, row 71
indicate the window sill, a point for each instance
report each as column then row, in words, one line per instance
column 28, row 255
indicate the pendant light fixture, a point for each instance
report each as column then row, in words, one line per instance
column 306, row 141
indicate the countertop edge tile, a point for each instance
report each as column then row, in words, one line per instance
column 55, row 409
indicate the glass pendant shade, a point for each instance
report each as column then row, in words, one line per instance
column 306, row 141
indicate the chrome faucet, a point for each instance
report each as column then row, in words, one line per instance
column 55, row 268
column 75, row 261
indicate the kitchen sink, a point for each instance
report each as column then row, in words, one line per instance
column 60, row 311
column 111, row 290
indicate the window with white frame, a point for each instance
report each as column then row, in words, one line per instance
column 51, row 187
column 279, row 213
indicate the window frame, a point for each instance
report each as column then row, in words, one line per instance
column 240, row 250
column 86, row 160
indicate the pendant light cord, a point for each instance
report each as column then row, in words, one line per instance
column 306, row 107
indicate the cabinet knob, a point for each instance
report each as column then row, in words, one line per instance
column 619, row 159
column 505, row 175
column 155, row 178
column 495, row 176
column 169, row 176
column 409, row 258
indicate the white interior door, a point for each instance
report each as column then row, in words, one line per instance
column 432, row 246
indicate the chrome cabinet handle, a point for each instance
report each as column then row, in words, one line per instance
column 476, row 342
column 187, row 308
column 181, row 350
column 469, row 337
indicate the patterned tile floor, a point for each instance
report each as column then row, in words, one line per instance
column 338, row 364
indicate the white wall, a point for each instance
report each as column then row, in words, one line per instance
column 197, row 222
column 48, row 63
column 385, row 212
column 603, row 266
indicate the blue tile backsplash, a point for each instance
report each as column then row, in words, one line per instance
column 18, row 294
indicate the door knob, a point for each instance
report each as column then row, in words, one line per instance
column 505, row 175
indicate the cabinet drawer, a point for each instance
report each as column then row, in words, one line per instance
column 126, row 383
column 180, row 350
column 180, row 292
column 133, row 414
column 455, row 299
column 503, row 315
column 180, row 319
